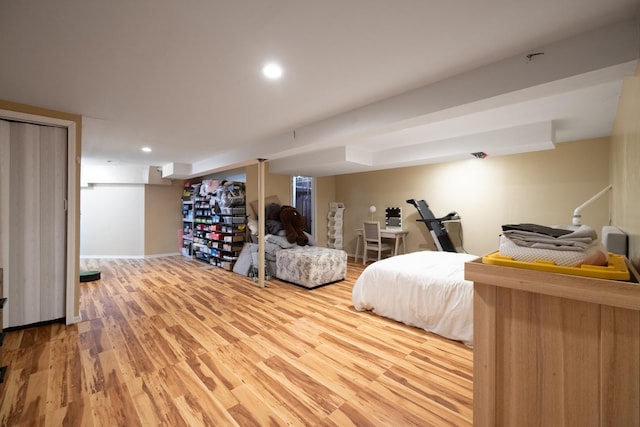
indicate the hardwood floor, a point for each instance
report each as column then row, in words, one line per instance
column 166, row 342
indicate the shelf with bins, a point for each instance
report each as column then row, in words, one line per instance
column 202, row 222
column 187, row 227
column 214, row 225
column 335, row 222
column 228, row 237
column 186, row 235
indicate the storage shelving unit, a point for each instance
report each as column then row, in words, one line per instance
column 335, row 225
column 187, row 221
column 230, row 221
column 214, row 225
column 228, row 236
column 202, row 226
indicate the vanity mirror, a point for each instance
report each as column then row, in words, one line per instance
column 393, row 218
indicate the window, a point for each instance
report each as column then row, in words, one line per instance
column 303, row 199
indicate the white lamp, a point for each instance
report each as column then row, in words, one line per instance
column 577, row 217
column 372, row 210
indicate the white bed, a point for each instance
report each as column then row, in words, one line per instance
column 424, row 289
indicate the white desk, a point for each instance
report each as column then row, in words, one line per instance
column 386, row 233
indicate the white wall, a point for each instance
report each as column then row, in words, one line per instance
column 163, row 219
column 112, row 221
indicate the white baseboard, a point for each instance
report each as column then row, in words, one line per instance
column 163, row 255
column 74, row 319
column 111, row 256
column 129, row 256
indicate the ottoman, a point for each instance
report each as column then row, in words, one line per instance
column 311, row 266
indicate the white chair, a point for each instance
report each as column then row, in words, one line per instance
column 373, row 241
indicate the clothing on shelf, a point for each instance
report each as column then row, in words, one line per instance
column 557, row 238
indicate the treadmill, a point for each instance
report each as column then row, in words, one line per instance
column 435, row 226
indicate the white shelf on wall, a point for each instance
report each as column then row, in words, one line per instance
column 335, row 225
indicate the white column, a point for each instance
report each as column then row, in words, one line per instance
column 261, row 222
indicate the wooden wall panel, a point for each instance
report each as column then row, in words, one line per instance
column 540, row 337
column 552, row 349
column 619, row 370
column 484, row 355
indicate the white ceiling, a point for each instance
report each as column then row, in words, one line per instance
column 368, row 84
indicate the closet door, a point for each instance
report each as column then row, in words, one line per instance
column 35, row 254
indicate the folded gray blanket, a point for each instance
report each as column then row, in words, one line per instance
column 578, row 239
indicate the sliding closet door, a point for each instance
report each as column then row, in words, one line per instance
column 36, row 247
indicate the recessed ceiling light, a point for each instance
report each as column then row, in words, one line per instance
column 272, row 70
column 146, row 149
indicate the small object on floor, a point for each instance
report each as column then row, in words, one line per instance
column 254, row 273
column 89, row 276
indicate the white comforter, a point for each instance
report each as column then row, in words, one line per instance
column 424, row 289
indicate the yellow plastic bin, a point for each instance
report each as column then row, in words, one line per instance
column 615, row 270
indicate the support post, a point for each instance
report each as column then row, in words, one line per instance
column 261, row 222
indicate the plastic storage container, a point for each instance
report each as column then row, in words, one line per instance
column 615, row 270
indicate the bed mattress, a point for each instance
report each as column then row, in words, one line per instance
column 425, row 289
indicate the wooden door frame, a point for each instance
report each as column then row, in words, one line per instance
column 72, row 257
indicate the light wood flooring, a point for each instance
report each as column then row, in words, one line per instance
column 166, row 342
